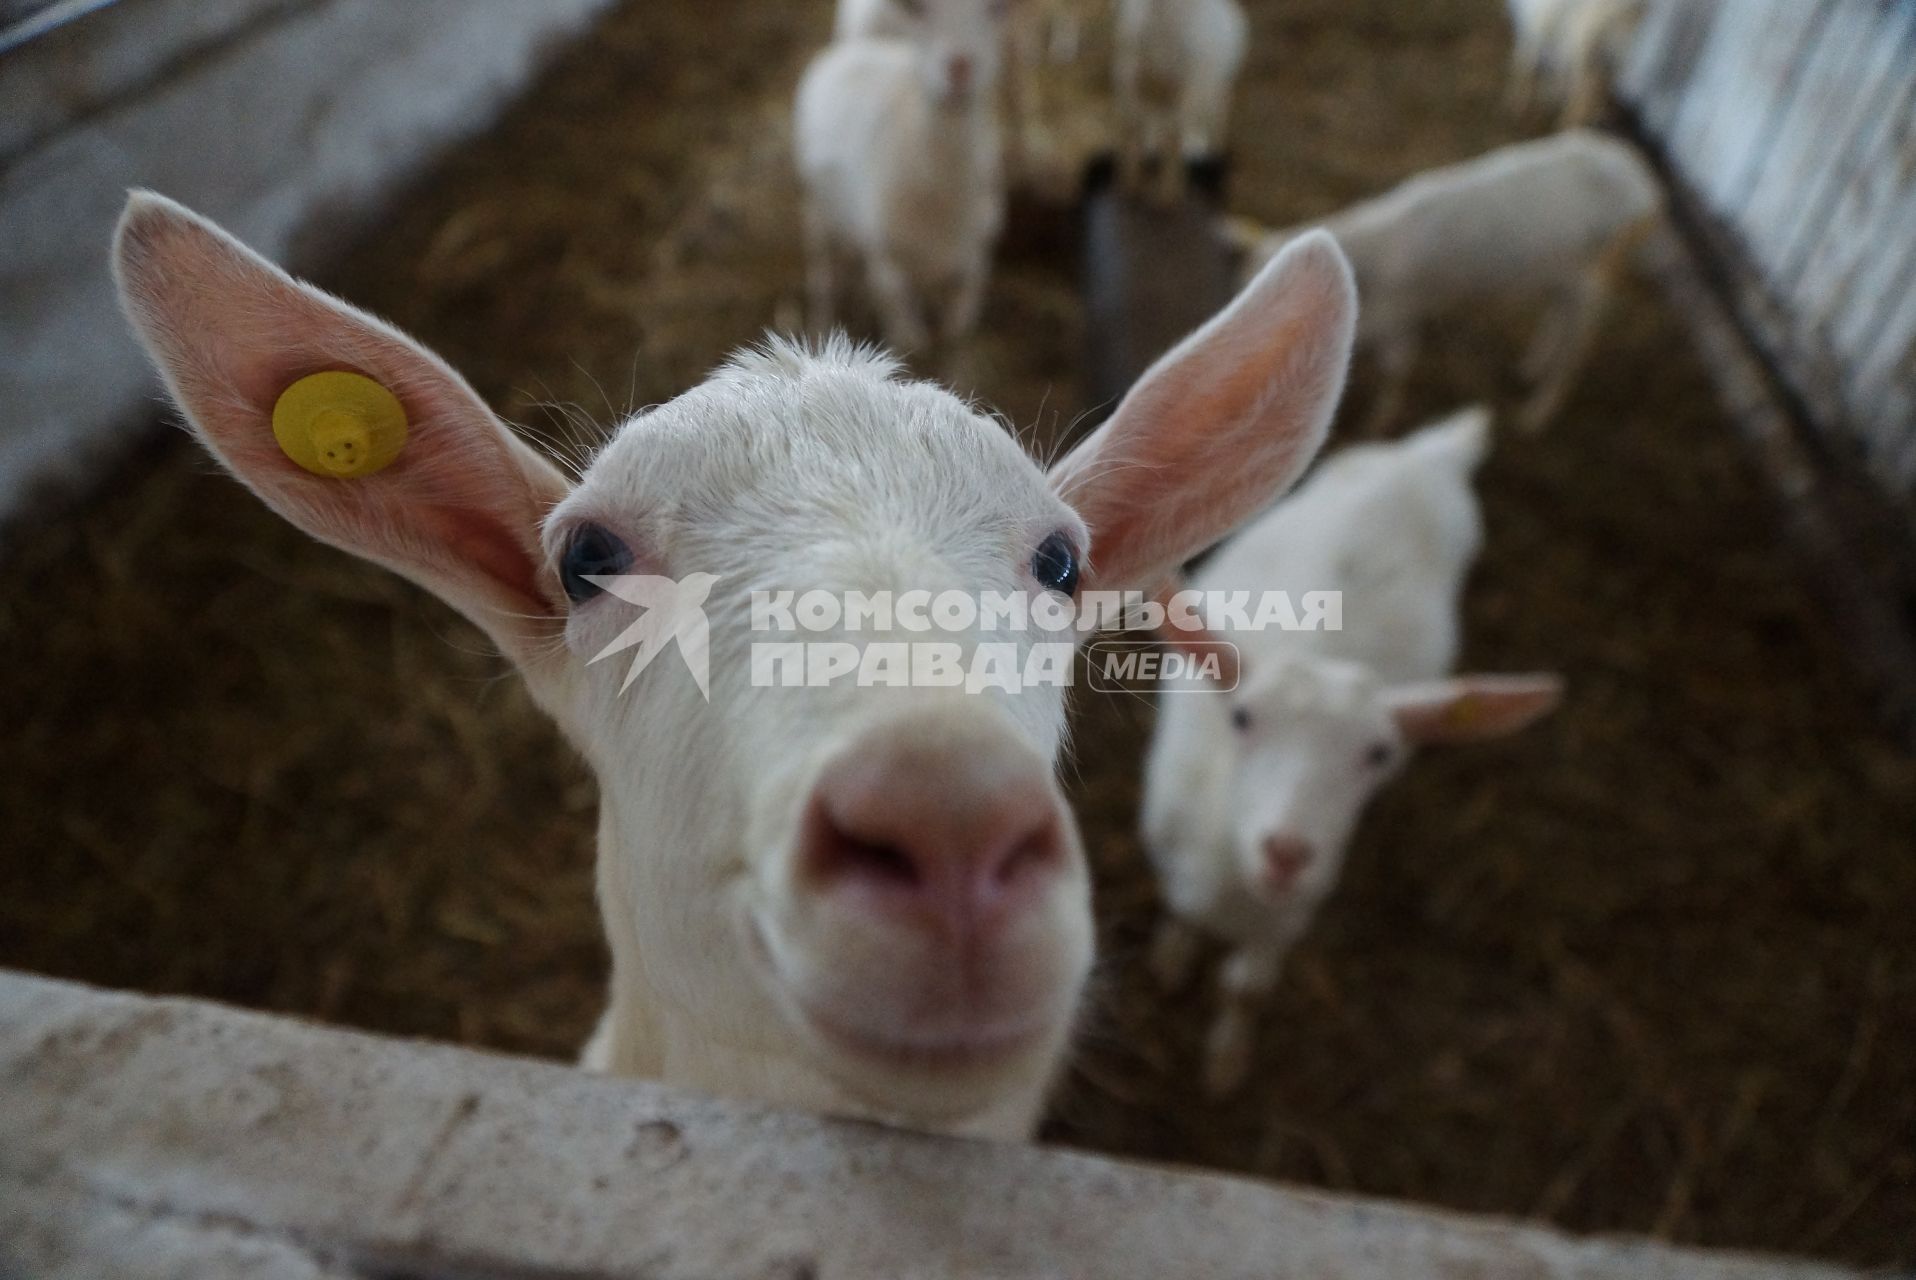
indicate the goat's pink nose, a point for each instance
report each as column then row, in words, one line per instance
column 1285, row 858
column 957, row 833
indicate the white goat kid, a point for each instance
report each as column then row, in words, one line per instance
column 855, row 899
column 1176, row 64
column 1557, row 218
column 899, row 153
column 1035, row 31
column 1561, row 51
column 1251, row 796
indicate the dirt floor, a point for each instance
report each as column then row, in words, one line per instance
column 1651, row 967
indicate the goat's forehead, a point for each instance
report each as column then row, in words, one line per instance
column 818, row 433
column 1324, row 690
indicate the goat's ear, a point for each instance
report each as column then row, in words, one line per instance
column 1473, row 708
column 458, row 511
column 1221, row 425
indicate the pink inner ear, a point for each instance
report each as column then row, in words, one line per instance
column 497, row 553
column 1222, row 424
column 458, row 511
column 1476, row 708
column 1205, row 455
column 436, row 512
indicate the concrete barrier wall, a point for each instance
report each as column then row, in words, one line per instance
column 146, row 1138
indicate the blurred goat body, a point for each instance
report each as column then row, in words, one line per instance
column 1176, row 65
column 1251, row 795
column 1562, row 52
column 899, row 155
column 1558, row 218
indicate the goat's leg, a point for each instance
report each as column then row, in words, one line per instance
column 897, row 302
column 1562, row 358
column 1244, row 983
column 1132, row 121
column 1520, row 95
column 1174, row 953
column 1589, row 35
column 596, row 1057
column 1397, row 352
column 1205, row 118
column 967, row 299
column 1024, row 90
column 1167, row 144
column 1587, row 92
column 1540, row 357
column 821, row 272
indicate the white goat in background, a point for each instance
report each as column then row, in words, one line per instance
column 1557, row 218
column 898, row 150
column 1251, row 795
column 844, row 897
column 1176, row 66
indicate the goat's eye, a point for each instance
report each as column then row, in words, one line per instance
column 1055, row 565
column 1377, row 755
column 591, row 552
column 1240, row 719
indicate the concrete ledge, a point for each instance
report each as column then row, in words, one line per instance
column 151, row 1138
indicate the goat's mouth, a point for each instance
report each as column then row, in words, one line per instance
column 953, row 1045
column 948, row 1048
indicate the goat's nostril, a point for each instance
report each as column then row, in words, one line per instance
column 881, row 862
column 835, row 854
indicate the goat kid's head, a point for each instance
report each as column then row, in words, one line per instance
column 960, row 45
column 858, row 898
column 1312, row 739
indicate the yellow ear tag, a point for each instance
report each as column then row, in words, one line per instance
column 339, row 424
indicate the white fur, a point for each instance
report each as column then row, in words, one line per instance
column 902, row 168
column 1394, row 527
column 1555, row 218
column 1177, row 62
